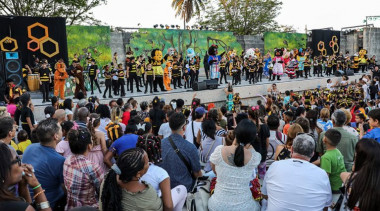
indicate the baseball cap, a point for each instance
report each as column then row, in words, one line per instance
column 200, row 110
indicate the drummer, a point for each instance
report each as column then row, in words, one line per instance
column 25, row 72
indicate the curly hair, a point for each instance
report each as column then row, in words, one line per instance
column 152, row 146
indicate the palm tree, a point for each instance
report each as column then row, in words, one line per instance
column 186, row 9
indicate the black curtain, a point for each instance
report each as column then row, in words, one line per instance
column 16, row 27
column 326, row 40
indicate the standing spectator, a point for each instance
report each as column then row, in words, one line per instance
column 234, row 166
column 127, row 113
column 27, row 116
column 47, row 163
column 374, row 122
column 99, row 148
column 181, row 172
column 347, row 144
column 82, row 176
column 295, row 183
column 324, row 119
column 332, row 161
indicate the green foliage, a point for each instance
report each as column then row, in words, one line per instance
column 93, row 39
column 75, row 11
column 144, row 40
column 274, row 40
column 243, row 17
column 187, row 8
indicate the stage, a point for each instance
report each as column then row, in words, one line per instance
column 249, row 93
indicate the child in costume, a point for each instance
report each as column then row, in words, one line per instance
column 301, row 62
column 115, row 79
column 108, row 81
column 132, row 75
column 149, row 78
column 290, row 70
column 252, row 69
column 213, row 61
column 230, row 97
column 121, row 80
column 156, row 61
column 60, row 76
column 307, row 66
column 278, row 64
column 223, row 70
column 176, row 72
column 260, row 69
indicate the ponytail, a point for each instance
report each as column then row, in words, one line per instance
column 239, row 156
column 111, row 193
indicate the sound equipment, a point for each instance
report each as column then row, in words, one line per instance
column 2, row 79
column 13, row 67
column 337, row 74
column 212, row 84
column 200, row 85
column 349, row 72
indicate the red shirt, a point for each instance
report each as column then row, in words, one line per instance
column 126, row 117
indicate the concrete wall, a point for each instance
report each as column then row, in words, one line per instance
column 116, row 44
column 251, row 41
column 351, row 42
column 371, row 41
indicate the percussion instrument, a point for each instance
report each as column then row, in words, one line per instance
column 33, row 82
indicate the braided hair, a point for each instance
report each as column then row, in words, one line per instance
column 130, row 162
column 152, row 146
column 114, row 131
column 92, row 123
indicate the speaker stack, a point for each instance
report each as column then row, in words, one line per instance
column 206, row 84
column 12, row 67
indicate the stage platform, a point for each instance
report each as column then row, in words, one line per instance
column 249, row 93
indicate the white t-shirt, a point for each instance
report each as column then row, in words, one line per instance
column 154, row 176
column 165, row 130
column 189, row 132
column 295, row 184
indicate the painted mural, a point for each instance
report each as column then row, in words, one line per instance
column 93, row 39
column 274, row 40
column 144, row 40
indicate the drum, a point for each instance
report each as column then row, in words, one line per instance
column 33, row 82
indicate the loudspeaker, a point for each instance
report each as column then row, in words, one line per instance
column 13, row 67
column 337, row 74
column 200, row 85
column 349, row 72
column 212, row 84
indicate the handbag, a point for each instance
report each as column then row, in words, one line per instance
column 256, row 189
column 197, row 199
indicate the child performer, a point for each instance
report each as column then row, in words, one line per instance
column 260, row 69
column 108, row 81
column 149, row 78
column 121, row 80
column 223, row 70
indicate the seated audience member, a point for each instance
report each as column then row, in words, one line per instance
column 332, row 161
column 23, row 140
column 194, row 126
column 173, row 198
column 8, row 132
column 324, row 119
column 14, row 173
column 122, row 188
column 180, row 172
column 83, row 113
column 165, row 130
column 99, row 146
column 234, row 166
column 49, row 111
column 82, row 176
column 123, row 143
column 296, row 183
column 374, row 122
column 276, row 137
column 364, row 179
column 60, row 115
column 63, row 147
column 47, row 163
column 347, row 143
column 283, row 151
column 105, row 118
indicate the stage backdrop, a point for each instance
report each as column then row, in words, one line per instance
column 325, row 42
column 34, row 37
column 273, row 40
column 93, row 39
column 144, row 40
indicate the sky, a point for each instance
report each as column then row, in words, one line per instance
column 314, row 14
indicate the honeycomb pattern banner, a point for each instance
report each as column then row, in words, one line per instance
column 39, row 42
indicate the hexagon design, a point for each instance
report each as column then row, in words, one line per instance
column 46, row 53
column 10, row 39
column 40, row 25
column 33, row 49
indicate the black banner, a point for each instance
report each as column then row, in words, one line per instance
column 32, row 37
column 325, row 42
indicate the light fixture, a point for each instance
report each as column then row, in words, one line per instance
column 172, row 26
column 177, row 26
column 162, row 26
column 167, row 26
column 188, row 27
column 155, row 26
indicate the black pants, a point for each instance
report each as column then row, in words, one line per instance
column 186, row 81
column 45, row 90
column 307, row 71
column 159, row 81
column 176, row 81
column 259, row 75
column 223, row 74
column 328, row 71
column 26, row 128
column 133, row 77
column 193, row 78
column 149, row 81
column 120, row 87
column 333, row 69
column 247, row 74
column 207, row 70
column 319, row 71
column 115, row 85
column 251, row 77
column 92, row 80
column 362, row 66
column 108, row 84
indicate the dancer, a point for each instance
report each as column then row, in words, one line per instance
column 251, row 69
column 108, row 81
column 260, row 69
column 132, row 75
column 278, row 64
column 176, row 72
column 60, row 76
column 307, row 66
column 121, row 80
column 223, row 70
column 45, row 81
column 77, row 72
column 149, row 78
column 156, row 61
column 213, row 61
column 93, row 75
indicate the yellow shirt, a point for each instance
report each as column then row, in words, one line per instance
column 14, row 145
column 23, row 145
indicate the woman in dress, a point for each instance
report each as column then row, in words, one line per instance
column 233, row 166
column 99, row 148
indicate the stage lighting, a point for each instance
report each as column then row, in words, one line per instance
column 162, row 26
column 155, row 26
column 177, row 26
column 206, row 28
column 167, row 26
column 188, row 27
column 172, row 26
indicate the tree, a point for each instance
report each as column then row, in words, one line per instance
column 75, row 11
column 187, row 8
column 243, row 17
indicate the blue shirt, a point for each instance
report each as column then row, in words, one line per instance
column 177, row 170
column 286, row 100
column 374, row 134
column 48, row 167
column 127, row 141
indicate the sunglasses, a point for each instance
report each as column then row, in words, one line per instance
column 17, row 160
